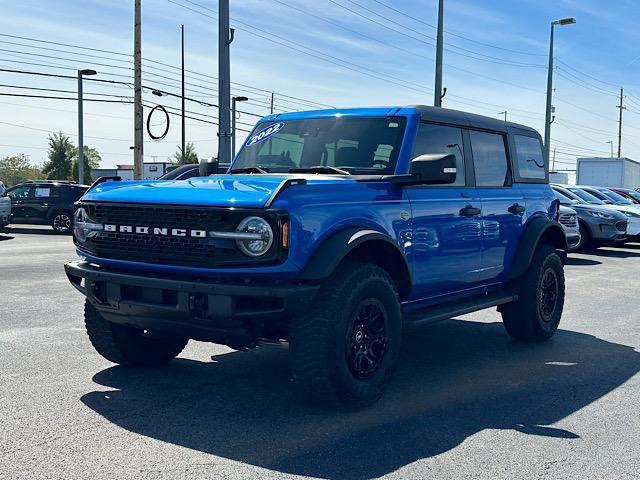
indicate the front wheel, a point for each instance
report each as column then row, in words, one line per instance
column 536, row 314
column 344, row 351
column 129, row 346
column 62, row 222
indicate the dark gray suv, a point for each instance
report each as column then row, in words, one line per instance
column 599, row 225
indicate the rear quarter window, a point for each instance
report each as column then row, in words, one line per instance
column 529, row 158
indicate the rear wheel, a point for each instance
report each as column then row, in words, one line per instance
column 129, row 346
column 62, row 221
column 344, row 351
column 536, row 315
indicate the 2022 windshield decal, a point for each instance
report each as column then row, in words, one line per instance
column 265, row 133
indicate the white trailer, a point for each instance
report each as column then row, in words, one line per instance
column 609, row 172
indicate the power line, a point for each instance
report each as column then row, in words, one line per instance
column 519, row 52
column 469, row 54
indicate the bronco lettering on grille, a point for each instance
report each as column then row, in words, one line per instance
column 161, row 231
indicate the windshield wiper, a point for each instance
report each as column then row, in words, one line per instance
column 249, row 170
column 320, row 169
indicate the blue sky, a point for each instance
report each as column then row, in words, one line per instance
column 333, row 52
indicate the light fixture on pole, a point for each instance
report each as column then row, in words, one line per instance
column 548, row 119
column 234, row 100
column 81, row 74
column 505, row 114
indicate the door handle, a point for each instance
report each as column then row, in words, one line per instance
column 469, row 211
column 516, row 209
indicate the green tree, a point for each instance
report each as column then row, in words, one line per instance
column 190, row 154
column 61, row 152
column 91, row 159
column 17, row 168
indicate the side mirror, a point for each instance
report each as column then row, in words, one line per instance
column 3, row 190
column 438, row 169
column 208, row 167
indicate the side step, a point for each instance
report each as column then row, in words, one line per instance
column 452, row 309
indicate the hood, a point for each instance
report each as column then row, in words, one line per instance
column 581, row 207
column 241, row 191
column 630, row 209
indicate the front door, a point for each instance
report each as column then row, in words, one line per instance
column 445, row 252
column 503, row 205
column 20, row 197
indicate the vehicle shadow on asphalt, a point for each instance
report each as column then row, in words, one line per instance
column 575, row 261
column 617, row 253
column 32, row 231
column 456, row 379
column 4, row 236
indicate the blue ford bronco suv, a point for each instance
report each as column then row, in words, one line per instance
column 332, row 230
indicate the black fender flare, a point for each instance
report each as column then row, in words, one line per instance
column 337, row 247
column 535, row 231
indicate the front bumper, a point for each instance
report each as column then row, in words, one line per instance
column 232, row 314
column 5, row 213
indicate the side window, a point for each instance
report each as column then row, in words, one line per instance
column 489, row 159
column 42, row 191
column 20, row 192
column 434, row 139
column 530, row 157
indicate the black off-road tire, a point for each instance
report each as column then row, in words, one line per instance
column 128, row 346
column 536, row 314
column 62, row 222
column 327, row 346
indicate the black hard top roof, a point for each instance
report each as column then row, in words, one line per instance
column 445, row 115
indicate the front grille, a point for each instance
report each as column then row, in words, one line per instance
column 188, row 251
column 569, row 220
column 621, row 226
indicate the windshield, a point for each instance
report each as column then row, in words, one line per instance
column 615, row 197
column 361, row 146
column 635, row 196
column 563, row 198
column 586, row 196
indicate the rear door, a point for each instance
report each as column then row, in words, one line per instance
column 43, row 197
column 503, row 205
column 445, row 253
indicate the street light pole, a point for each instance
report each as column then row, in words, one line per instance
column 548, row 119
column 81, row 73
column 610, row 142
column 234, row 100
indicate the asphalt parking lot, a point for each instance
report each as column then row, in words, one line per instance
column 468, row 402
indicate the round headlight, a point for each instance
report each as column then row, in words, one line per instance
column 258, row 236
column 79, row 219
column 83, row 226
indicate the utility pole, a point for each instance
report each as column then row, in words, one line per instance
column 437, row 98
column 553, row 164
column 621, row 107
column 225, row 37
column 505, row 114
column 138, row 120
column 183, row 124
column 272, row 95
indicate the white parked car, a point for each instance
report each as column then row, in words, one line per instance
column 569, row 221
column 5, row 207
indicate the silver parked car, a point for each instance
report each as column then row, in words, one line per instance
column 569, row 221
